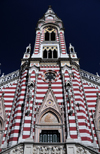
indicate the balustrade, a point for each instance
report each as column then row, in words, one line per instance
column 90, row 76
column 9, row 77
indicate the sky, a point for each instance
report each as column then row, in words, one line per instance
column 18, row 20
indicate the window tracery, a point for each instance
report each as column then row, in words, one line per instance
column 50, row 52
column 50, row 34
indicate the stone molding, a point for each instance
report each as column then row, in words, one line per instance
column 49, row 148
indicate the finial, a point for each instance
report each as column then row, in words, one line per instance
column 28, row 48
column 49, row 6
column 97, row 74
column 2, row 75
column 71, row 48
column 70, row 45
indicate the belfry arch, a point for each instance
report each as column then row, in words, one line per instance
column 50, row 34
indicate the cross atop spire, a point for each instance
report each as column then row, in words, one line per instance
column 50, row 11
column 49, row 6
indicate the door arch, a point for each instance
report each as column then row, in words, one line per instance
column 49, row 127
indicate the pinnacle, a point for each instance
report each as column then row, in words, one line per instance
column 49, row 6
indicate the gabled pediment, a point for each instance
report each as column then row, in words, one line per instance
column 50, row 102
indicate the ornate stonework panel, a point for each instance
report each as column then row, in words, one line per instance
column 81, row 150
column 48, row 150
column 50, row 102
column 50, row 76
column 18, row 150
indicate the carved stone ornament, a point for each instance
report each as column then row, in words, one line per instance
column 81, row 150
column 50, row 76
column 48, row 150
column 50, row 102
column 18, row 150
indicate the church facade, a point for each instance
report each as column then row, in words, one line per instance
column 50, row 105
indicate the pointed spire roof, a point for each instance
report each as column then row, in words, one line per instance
column 50, row 11
column 50, row 17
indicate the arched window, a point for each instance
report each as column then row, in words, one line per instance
column 54, row 54
column 45, row 54
column 49, row 54
column 50, row 34
column 71, row 49
column 53, row 36
column 47, row 36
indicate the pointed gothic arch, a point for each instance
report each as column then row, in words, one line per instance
column 50, row 34
column 54, row 54
column 49, row 123
column 45, row 54
column 53, row 37
column 47, row 36
column 49, row 118
column 53, row 112
column 50, row 54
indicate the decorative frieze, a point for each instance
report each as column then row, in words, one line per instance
column 48, row 150
column 34, row 148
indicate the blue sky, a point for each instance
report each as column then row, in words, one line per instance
column 18, row 19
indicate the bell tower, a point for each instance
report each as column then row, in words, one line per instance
column 50, row 43
column 48, row 64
